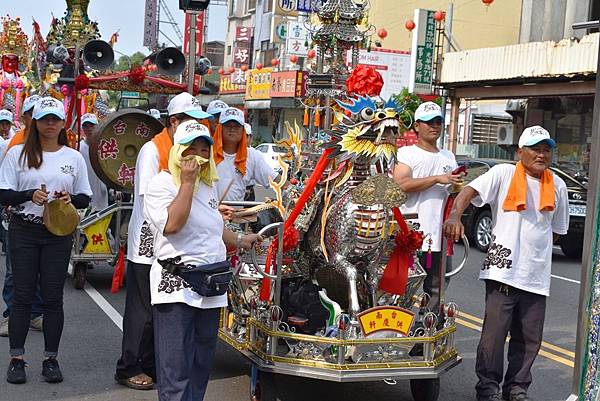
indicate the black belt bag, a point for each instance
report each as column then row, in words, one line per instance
column 207, row 280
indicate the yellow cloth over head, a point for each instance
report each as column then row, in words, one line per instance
column 208, row 169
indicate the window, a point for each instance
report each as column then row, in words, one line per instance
column 250, row 5
column 268, row 6
column 262, row 148
column 232, row 7
column 229, row 50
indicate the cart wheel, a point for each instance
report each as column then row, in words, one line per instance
column 425, row 389
column 79, row 271
column 262, row 386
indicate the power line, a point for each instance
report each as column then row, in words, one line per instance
column 171, row 21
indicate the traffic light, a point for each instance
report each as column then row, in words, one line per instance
column 193, row 5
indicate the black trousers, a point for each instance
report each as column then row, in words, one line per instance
column 432, row 282
column 137, row 355
column 521, row 313
column 37, row 256
column 185, row 340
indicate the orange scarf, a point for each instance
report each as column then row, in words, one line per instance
column 242, row 150
column 17, row 139
column 516, row 198
column 207, row 125
column 164, row 143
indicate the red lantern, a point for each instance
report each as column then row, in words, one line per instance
column 312, row 53
column 294, row 59
column 244, row 67
column 221, row 71
column 231, row 70
column 259, row 66
column 209, row 72
column 382, row 33
column 439, row 16
column 487, row 2
column 274, row 62
column 410, row 25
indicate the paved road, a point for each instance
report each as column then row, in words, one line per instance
column 92, row 338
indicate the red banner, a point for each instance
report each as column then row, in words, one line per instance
column 199, row 34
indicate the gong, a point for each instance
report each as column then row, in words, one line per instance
column 115, row 144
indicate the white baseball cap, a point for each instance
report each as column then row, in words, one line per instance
column 6, row 115
column 248, row 128
column 154, row 113
column 534, row 135
column 187, row 104
column 232, row 114
column 428, row 111
column 89, row 118
column 48, row 105
column 30, row 102
column 216, row 107
column 189, row 130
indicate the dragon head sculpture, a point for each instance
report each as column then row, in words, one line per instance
column 370, row 131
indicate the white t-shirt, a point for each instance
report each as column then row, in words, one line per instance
column 140, row 235
column 63, row 170
column 3, row 145
column 100, row 196
column 520, row 254
column 428, row 204
column 257, row 171
column 199, row 242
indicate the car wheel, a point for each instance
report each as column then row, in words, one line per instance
column 572, row 245
column 482, row 230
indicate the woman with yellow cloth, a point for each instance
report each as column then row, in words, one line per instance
column 189, row 278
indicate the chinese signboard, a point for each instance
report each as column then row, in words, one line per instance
column 285, row 7
column 297, row 39
column 279, row 29
column 388, row 318
column 199, row 33
column 421, row 71
column 226, row 85
column 308, row 6
column 242, row 49
column 150, row 24
column 393, row 65
column 288, row 84
column 258, row 84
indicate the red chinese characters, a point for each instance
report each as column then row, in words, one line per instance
column 119, row 127
column 125, row 174
column 97, row 239
column 108, row 149
column 142, row 130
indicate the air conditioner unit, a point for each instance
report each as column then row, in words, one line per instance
column 505, row 134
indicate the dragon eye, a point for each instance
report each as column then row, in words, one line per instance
column 367, row 114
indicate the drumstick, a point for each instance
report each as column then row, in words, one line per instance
column 226, row 191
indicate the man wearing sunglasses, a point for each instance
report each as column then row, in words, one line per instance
column 424, row 172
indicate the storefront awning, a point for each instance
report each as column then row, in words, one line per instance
column 567, row 60
column 258, row 104
column 285, row 103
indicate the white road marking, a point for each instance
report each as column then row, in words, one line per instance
column 103, row 304
column 570, row 280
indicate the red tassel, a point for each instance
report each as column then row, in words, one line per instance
column 428, row 260
column 119, row 273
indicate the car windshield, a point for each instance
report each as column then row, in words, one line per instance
column 570, row 181
column 279, row 149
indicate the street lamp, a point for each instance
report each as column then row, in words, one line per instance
column 193, row 5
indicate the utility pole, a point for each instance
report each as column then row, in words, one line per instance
column 193, row 15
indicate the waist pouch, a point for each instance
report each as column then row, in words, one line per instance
column 207, row 280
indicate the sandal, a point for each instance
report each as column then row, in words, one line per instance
column 137, row 382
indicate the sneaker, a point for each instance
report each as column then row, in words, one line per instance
column 4, row 328
column 37, row 323
column 491, row 397
column 51, row 371
column 16, row 371
column 519, row 397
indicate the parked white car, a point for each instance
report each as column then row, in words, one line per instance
column 270, row 151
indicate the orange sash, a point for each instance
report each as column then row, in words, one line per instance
column 17, row 139
column 516, row 198
column 242, row 150
column 164, row 143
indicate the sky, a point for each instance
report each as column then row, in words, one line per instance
column 127, row 16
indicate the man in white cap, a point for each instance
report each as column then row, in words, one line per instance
column 237, row 164
column 215, row 108
column 154, row 113
column 424, row 172
column 6, row 123
column 99, row 201
column 529, row 204
column 136, row 367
